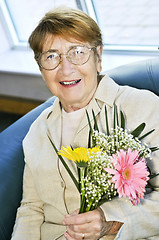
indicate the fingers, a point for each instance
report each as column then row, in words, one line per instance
column 78, row 219
column 77, row 231
column 88, row 223
column 75, row 236
column 79, row 236
column 92, row 224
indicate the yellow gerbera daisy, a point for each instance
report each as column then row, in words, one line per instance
column 79, row 155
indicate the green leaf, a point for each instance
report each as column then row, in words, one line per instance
column 89, row 139
column 122, row 120
column 65, row 165
column 137, row 131
column 106, row 121
column 146, row 134
column 102, row 200
column 153, row 149
column 116, row 118
column 149, row 185
column 89, row 122
column 149, row 170
column 82, row 187
column 71, row 147
column 79, row 178
column 152, row 175
column 114, row 122
column 90, row 131
column 95, row 122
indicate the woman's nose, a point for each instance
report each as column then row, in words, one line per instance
column 66, row 66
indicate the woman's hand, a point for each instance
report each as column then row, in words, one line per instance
column 91, row 225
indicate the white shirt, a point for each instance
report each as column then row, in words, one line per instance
column 70, row 123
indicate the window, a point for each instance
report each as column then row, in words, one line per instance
column 128, row 24
column 130, row 29
column 22, row 16
column 125, row 24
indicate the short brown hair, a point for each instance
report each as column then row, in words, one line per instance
column 67, row 23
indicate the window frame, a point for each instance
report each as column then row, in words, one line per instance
column 10, row 28
column 120, row 48
column 87, row 6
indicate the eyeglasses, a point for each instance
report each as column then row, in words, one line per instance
column 77, row 55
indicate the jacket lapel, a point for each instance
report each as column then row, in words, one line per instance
column 54, row 124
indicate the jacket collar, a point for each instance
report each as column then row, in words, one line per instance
column 107, row 91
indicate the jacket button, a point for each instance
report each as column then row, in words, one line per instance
column 62, row 184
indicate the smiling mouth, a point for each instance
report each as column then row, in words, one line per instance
column 68, row 83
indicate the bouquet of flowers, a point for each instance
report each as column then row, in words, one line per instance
column 114, row 164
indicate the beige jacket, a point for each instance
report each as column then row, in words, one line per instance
column 49, row 193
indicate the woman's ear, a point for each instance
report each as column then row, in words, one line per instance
column 36, row 59
column 99, row 58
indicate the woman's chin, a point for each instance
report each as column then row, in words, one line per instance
column 73, row 102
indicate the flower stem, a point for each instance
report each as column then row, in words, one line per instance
column 90, row 206
column 82, row 187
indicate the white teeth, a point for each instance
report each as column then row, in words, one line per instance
column 69, row 83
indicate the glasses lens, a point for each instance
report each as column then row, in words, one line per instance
column 49, row 60
column 79, row 55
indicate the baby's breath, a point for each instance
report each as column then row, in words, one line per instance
column 120, row 139
column 98, row 181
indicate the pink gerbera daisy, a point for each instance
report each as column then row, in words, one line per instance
column 130, row 175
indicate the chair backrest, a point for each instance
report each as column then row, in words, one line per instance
column 143, row 74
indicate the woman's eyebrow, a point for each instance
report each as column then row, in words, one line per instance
column 51, row 50
column 57, row 50
column 70, row 47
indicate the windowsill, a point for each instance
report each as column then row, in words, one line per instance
column 20, row 77
column 22, row 61
column 18, row 61
column 113, row 59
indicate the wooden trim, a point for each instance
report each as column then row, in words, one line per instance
column 17, row 106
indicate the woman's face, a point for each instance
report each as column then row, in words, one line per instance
column 74, row 85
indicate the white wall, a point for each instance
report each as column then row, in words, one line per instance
column 19, row 75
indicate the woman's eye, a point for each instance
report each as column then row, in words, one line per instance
column 51, row 56
column 78, row 51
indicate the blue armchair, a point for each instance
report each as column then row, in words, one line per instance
column 142, row 74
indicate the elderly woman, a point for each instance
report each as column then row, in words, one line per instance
column 67, row 45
